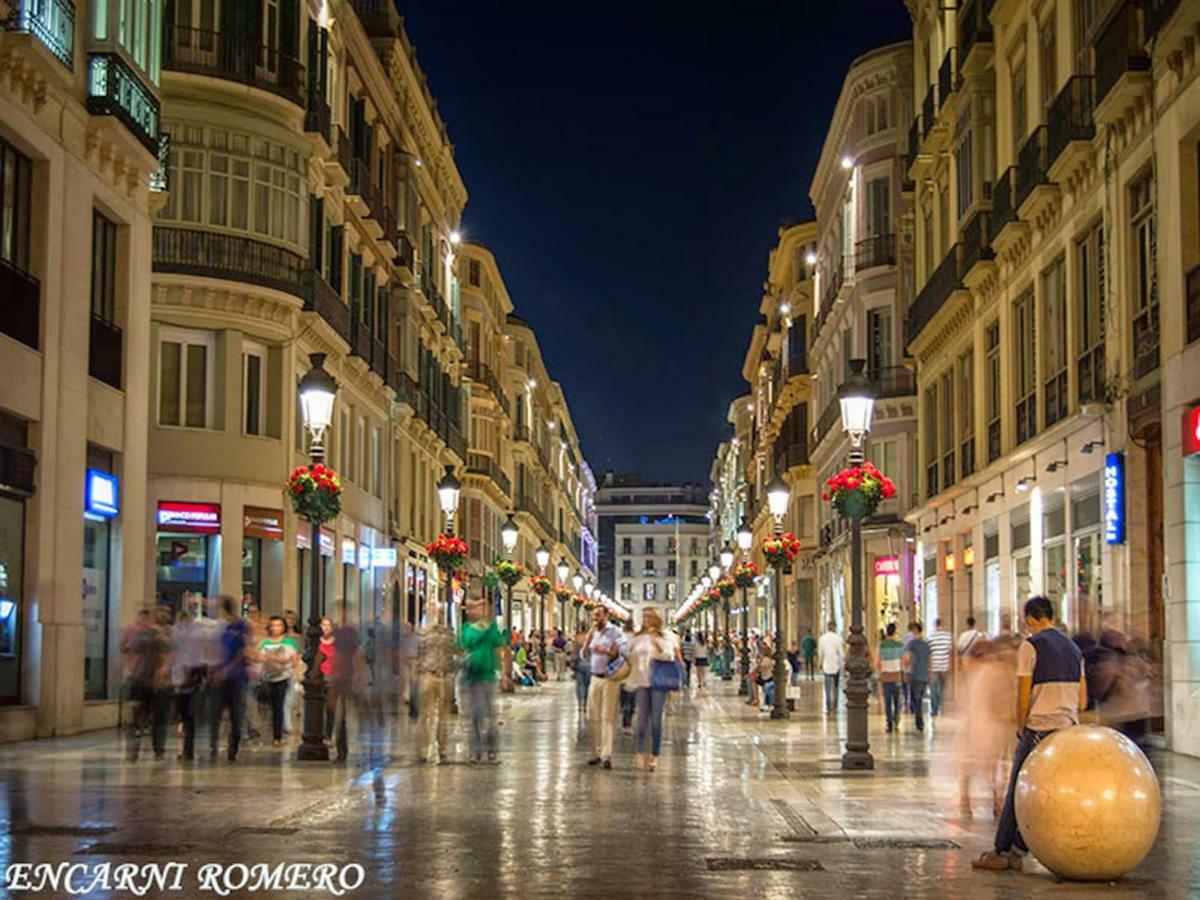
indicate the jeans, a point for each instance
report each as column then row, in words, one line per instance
column 650, row 705
column 831, row 690
column 603, row 702
column 583, row 679
column 810, row 667
column 627, row 706
column 152, row 706
column 891, row 702
column 480, row 702
column 916, row 701
column 937, row 684
column 277, row 692
column 1008, row 835
column 769, row 693
column 231, row 695
column 435, row 694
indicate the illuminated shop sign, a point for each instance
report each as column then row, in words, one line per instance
column 1114, row 498
column 1191, row 431
column 383, row 557
column 349, row 551
column 258, row 522
column 364, row 557
column 887, row 565
column 191, row 518
column 100, row 498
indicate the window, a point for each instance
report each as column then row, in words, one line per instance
column 343, row 441
column 966, row 413
column 254, row 387
column 650, row 546
column 1089, row 341
column 1145, row 272
column 1018, row 98
column 671, row 568
column 376, row 461
column 878, row 208
column 362, row 459
column 648, row 591
column 884, row 454
column 15, row 181
column 879, row 340
column 1054, row 342
column 672, row 591
column 474, row 275
column 236, row 181
column 184, row 378
column 992, row 389
column 695, row 547
column 136, row 26
column 875, row 112
column 964, row 165
column 626, row 591
column 648, row 567
column 626, row 545
column 1047, row 62
column 695, row 568
column 104, row 268
column 1025, row 367
column 946, row 437
column 627, row 568
column 929, row 438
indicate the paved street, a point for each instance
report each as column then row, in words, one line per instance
column 734, row 790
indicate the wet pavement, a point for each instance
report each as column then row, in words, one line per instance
column 740, row 806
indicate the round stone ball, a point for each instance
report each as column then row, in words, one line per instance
column 1088, row 803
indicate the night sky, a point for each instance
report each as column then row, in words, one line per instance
column 629, row 165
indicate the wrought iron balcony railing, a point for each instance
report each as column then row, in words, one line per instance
column 1033, row 164
column 976, row 244
column 929, row 111
column 1145, row 342
column 1118, row 50
column 914, row 145
column 216, row 54
column 50, row 21
column 482, row 464
column 974, row 27
column 947, row 77
column 1158, row 13
column 937, row 290
column 1070, row 116
column 1004, row 207
column 231, row 257
column 1089, row 370
column 892, row 381
column 114, row 89
column 877, row 250
column 321, row 298
column 318, row 118
column 1192, row 288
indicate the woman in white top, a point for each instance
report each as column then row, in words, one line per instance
column 700, row 660
column 652, row 643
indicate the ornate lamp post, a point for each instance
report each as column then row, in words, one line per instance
column 509, row 532
column 745, row 539
column 542, row 556
column 577, row 582
column 563, row 571
column 318, row 389
column 448, row 489
column 778, row 495
column 727, row 650
column 857, row 399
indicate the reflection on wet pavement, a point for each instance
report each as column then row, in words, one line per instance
column 741, row 806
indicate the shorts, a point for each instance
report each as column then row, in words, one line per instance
column 702, row 663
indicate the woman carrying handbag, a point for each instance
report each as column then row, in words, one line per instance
column 656, row 663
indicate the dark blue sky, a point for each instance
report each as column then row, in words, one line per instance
column 629, row 164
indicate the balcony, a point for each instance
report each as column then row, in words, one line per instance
column 966, row 457
column 1122, row 65
column 482, row 464
column 914, row 147
column 104, row 352
column 878, row 250
column 482, row 373
column 214, row 54
column 1070, row 117
column 1033, row 167
column 360, row 338
column 1004, row 207
column 788, row 456
column 942, row 283
column 317, row 117
column 343, row 156
column 976, row 244
column 52, row 22
column 931, row 479
column 379, row 356
column 20, row 313
column 526, row 504
column 947, row 78
column 1192, row 293
column 1145, row 342
column 993, row 439
column 974, row 32
column 893, row 381
column 404, row 252
column 928, row 112
column 114, row 89
column 1054, row 398
column 1158, row 14
column 362, row 186
column 209, row 254
column 322, row 299
column 831, row 415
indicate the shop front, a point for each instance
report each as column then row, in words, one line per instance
column 262, row 557
column 304, row 552
column 101, row 508
column 886, row 591
column 187, row 551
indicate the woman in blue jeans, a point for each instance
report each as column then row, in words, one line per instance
column 650, row 645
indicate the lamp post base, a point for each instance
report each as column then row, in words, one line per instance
column 313, row 747
column 858, row 761
column 780, row 712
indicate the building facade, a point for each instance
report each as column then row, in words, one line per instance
column 79, row 180
column 1054, row 164
column 864, row 246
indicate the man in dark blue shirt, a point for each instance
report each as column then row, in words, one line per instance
column 228, row 679
column 916, row 668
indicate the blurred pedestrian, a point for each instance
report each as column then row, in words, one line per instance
column 969, row 638
column 941, row 644
column 280, row 660
column 326, row 657
column 603, row 647
column 689, row 652
column 700, row 661
column 188, row 675
column 890, row 662
column 917, row 670
column 808, row 647
column 583, row 672
column 229, row 679
column 831, row 651
column 148, row 653
column 766, row 673
column 481, row 640
column 436, row 656
column 560, row 654
column 652, row 648
column 627, row 689
column 986, row 728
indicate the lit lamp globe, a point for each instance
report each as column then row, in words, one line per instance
column 706, row 580
column 577, row 580
column 714, row 571
column 563, row 570
column 745, row 536
column 508, row 534
column 589, row 589
column 857, row 399
column 726, row 557
column 317, row 392
column 448, row 490
column 542, row 555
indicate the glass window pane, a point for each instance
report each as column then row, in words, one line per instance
column 253, row 394
column 197, row 375
column 168, row 383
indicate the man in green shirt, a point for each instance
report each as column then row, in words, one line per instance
column 891, row 675
column 481, row 639
column 808, row 647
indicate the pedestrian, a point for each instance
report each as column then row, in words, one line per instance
column 280, row 661
column 294, row 636
column 985, row 733
column 831, row 652
column 293, row 624
column 766, row 674
column 148, row 650
column 700, row 660
column 257, row 701
column 436, row 657
column 1051, row 690
column 603, row 647
column 689, row 652
column 917, row 667
column 560, row 654
column 793, row 658
column 890, row 662
column 229, row 679
column 652, row 647
column 326, row 655
column 808, row 647
column 627, row 688
column 480, row 640
column 346, row 685
column 406, row 652
column 969, row 638
column 941, row 644
column 583, row 672
column 188, row 675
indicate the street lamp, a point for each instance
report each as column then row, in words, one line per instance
column 857, row 399
column 778, row 495
column 727, row 650
column 317, row 389
column 563, row 571
column 714, row 572
column 509, row 532
column 542, row 555
column 745, row 540
column 726, row 557
column 577, row 581
column 448, row 489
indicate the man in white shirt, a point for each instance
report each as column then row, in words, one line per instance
column 970, row 638
column 940, row 645
column 603, row 646
column 831, row 655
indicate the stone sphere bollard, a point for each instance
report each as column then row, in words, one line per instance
column 1088, row 803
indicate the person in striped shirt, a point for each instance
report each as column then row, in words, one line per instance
column 891, row 675
column 941, row 644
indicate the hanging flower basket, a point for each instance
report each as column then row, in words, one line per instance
column 316, row 492
column 712, row 598
column 744, row 574
column 541, row 585
column 726, row 587
column 563, row 593
column 858, row 490
column 781, row 550
column 509, row 572
column 449, row 552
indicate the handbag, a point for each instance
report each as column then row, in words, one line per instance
column 666, row 675
column 617, row 669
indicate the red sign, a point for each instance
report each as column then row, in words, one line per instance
column 189, row 518
column 1191, row 431
column 887, row 565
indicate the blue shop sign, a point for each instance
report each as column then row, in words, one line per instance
column 101, row 495
column 1114, row 498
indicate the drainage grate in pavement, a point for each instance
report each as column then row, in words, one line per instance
column 29, row 829
column 905, row 844
column 814, row 838
column 764, row 864
column 134, row 848
column 264, row 830
column 795, row 821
